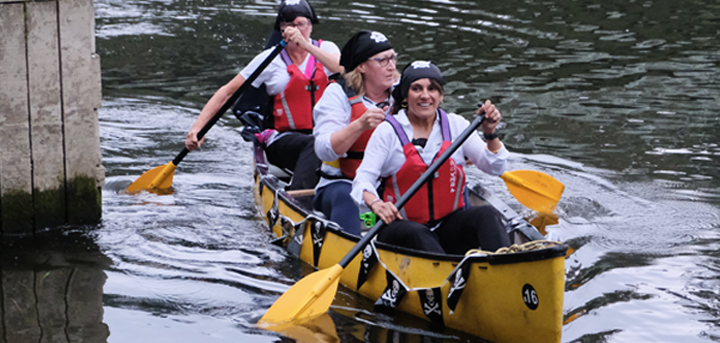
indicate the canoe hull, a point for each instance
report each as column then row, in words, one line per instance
column 514, row 297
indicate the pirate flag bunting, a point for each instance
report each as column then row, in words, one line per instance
column 369, row 260
column 458, row 280
column 287, row 229
column 297, row 239
column 431, row 302
column 318, row 239
column 393, row 293
column 272, row 215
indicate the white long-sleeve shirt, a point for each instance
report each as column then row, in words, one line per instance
column 384, row 153
column 332, row 113
column 275, row 76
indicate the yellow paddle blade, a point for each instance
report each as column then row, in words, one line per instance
column 544, row 219
column 159, row 177
column 316, row 330
column 308, row 298
column 536, row 190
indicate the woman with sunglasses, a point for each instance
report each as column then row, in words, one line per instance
column 344, row 120
column 295, row 80
column 435, row 219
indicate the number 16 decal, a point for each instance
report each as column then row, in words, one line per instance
column 530, row 297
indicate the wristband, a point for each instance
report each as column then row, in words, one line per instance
column 490, row 136
column 372, row 202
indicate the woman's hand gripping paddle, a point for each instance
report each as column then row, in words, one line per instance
column 161, row 177
column 313, row 295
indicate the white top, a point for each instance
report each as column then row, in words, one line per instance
column 275, row 76
column 332, row 113
column 384, row 153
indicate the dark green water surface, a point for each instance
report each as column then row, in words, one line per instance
column 619, row 100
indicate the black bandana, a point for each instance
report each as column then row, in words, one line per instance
column 362, row 46
column 415, row 71
column 291, row 9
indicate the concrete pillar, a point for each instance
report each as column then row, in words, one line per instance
column 50, row 163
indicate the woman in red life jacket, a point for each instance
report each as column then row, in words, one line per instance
column 344, row 120
column 295, row 79
column 436, row 218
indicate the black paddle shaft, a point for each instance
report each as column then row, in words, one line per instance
column 247, row 84
column 414, row 188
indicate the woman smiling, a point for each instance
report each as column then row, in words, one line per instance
column 436, row 219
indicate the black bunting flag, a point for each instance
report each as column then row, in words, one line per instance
column 369, row 259
column 297, row 239
column 272, row 216
column 431, row 303
column 317, row 232
column 457, row 284
column 393, row 293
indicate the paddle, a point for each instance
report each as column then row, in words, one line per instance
column 312, row 296
column 536, row 190
column 161, row 177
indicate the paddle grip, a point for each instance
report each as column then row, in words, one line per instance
column 415, row 187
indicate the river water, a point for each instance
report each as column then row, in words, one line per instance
column 618, row 100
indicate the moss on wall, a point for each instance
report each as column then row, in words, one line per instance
column 84, row 201
column 80, row 204
column 17, row 213
column 50, row 209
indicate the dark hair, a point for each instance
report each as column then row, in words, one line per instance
column 398, row 103
column 414, row 71
column 288, row 13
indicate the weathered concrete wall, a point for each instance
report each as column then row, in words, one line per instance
column 50, row 162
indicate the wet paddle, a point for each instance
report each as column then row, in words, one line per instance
column 161, row 177
column 312, row 296
column 536, row 190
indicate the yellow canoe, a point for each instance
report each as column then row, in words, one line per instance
column 515, row 296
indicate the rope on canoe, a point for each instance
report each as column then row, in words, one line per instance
column 528, row 246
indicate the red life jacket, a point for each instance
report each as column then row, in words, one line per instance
column 439, row 196
column 350, row 163
column 293, row 107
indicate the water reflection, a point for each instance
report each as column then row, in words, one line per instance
column 320, row 329
column 618, row 100
column 52, row 289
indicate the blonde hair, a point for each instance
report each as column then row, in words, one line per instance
column 354, row 79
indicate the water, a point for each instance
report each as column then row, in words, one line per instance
column 618, row 100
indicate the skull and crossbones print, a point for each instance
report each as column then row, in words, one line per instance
column 431, row 306
column 391, row 294
column 459, row 283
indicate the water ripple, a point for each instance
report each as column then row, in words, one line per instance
column 618, row 101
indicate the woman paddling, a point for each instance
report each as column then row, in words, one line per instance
column 296, row 79
column 400, row 150
column 344, row 119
